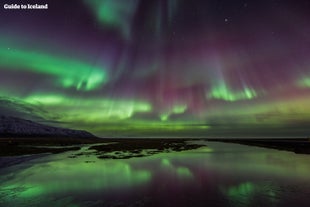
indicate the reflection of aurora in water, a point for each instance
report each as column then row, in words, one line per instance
column 221, row 174
column 244, row 193
column 76, row 176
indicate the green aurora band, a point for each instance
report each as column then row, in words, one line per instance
column 134, row 68
column 225, row 93
column 69, row 72
column 114, row 14
column 90, row 109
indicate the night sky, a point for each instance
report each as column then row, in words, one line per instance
column 159, row 68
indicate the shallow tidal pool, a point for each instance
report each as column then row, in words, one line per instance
column 219, row 174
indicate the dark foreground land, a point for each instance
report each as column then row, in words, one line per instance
column 105, row 148
column 109, row 148
column 297, row 145
column 27, row 145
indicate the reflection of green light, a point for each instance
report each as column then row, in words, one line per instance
column 225, row 93
column 184, row 172
column 245, row 192
column 204, row 149
column 69, row 72
column 69, row 176
column 244, row 189
column 241, row 193
column 165, row 162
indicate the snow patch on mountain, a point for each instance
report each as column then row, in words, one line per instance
column 12, row 126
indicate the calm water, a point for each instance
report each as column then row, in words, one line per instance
column 218, row 175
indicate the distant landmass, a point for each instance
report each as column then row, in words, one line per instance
column 17, row 127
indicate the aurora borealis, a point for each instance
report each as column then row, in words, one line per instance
column 213, row 68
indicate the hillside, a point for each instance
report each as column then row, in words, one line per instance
column 13, row 126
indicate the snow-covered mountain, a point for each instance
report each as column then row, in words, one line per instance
column 12, row 126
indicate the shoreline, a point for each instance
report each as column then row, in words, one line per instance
column 296, row 145
column 125, row 148
column 136, row 147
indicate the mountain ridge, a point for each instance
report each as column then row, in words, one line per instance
column 17, row 127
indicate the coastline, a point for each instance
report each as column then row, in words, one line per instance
column 122, row 148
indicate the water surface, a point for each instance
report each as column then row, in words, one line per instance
column 218, row 175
